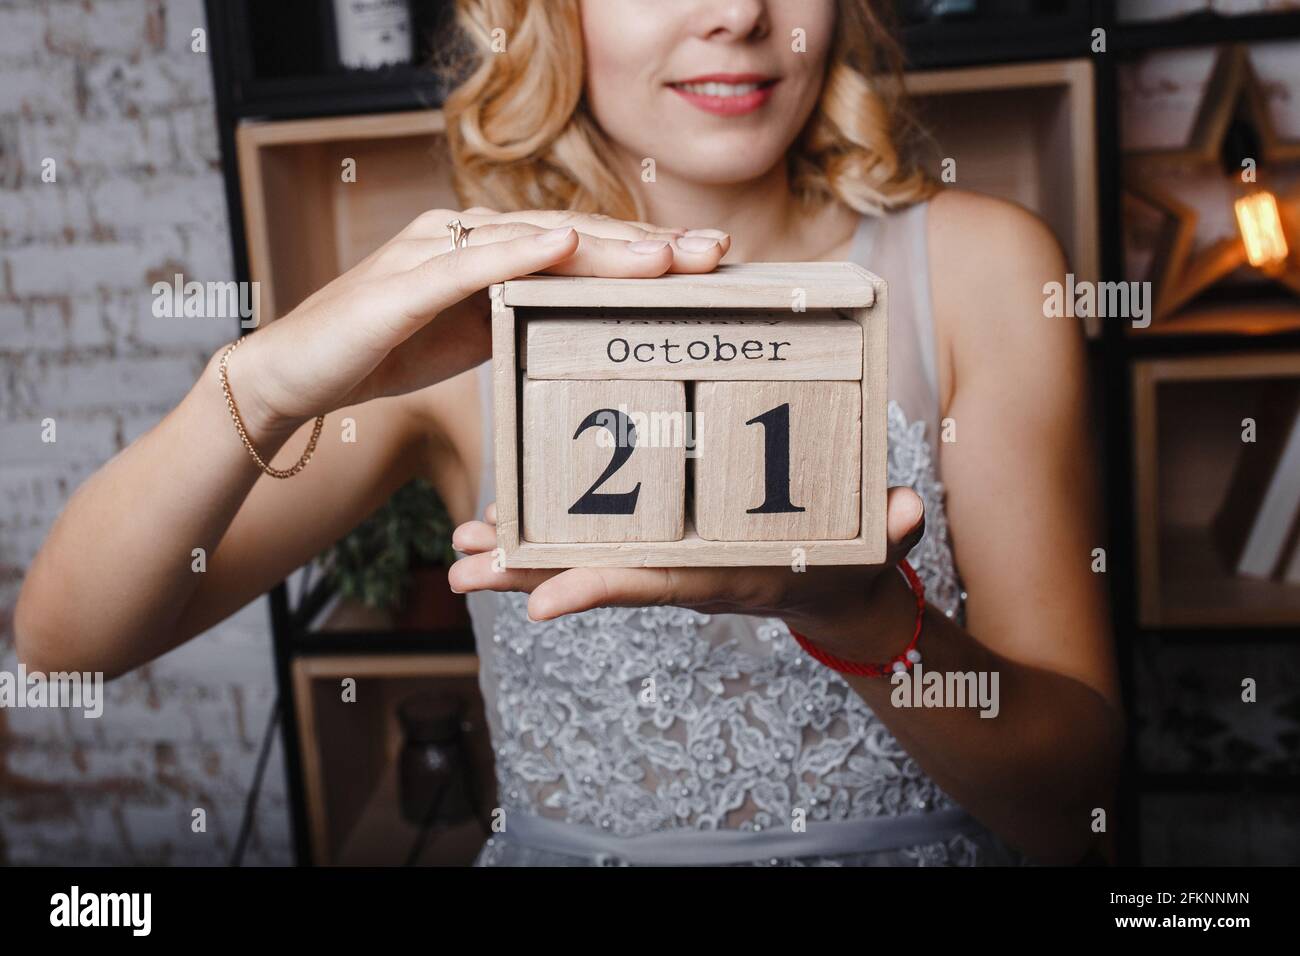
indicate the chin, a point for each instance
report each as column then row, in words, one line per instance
column 736, row 163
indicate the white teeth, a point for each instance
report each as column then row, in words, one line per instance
column 719, row 89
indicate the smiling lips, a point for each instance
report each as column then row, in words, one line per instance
column 726, row 94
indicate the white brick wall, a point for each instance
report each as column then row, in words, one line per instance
column 110, row 90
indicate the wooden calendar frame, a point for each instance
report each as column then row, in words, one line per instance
column 845, row 287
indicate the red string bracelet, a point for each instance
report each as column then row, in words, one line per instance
column 903, row 662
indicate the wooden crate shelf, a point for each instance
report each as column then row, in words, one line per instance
column 1186, row 443
column 1022, row 132
column 349, row 752
column 305, row 224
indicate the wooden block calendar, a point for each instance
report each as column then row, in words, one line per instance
column 777, row 460
column 728, row 419
column 609, row 481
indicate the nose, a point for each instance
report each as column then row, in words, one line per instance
column 733, row 19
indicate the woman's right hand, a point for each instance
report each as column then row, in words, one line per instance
column 415, row 312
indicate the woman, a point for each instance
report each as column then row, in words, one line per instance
column 753, row 129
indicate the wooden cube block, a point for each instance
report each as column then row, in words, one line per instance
column 694, row 345
column 551, row 328
column 604, row 461
column 778, row 461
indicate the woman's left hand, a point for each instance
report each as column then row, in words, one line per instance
column 854, row 612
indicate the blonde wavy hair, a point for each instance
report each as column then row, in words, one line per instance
column 521, row 135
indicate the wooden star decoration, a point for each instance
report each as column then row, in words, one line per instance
column 1179, row 272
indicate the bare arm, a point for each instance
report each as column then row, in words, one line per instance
column 1023, row 512
column 114, row 584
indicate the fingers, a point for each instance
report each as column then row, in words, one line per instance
column 474, row 537
column 581, row 589
column 443, row 280
column 698, row 253
column 482, row 572
column 556, row 593
column 431, row 224
column 616, row 259
column 904, row 522
column 643, row 257
column 693, row 249
column 593, row 224
column 407, row 252
column 440, row 282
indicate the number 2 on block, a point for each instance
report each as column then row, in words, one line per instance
column 595, row 502
column 566, row 430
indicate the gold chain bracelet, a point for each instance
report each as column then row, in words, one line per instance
column 243, row 432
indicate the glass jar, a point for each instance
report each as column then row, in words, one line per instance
column 432, row 770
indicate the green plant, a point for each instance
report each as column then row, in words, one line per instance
column 373, row 562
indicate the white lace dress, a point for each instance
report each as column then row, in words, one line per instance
column 747, row 751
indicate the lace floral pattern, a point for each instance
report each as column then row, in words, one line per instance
column 981, row 849
column 636, row 720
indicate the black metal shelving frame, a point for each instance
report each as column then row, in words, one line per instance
column 241, row 95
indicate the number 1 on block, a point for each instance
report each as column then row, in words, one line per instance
column 778, row 461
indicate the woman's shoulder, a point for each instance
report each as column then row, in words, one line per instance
column 973, row 225
column 989, row 261
column 984, row 249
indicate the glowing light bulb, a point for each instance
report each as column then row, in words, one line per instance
column 1260, row 223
